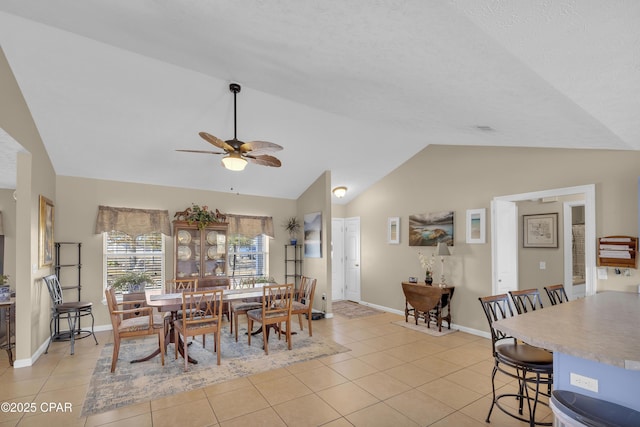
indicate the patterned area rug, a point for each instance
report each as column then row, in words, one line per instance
column 139, row 382
column 422, row 327
column 352, row 309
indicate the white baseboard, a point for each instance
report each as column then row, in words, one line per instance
column 23, row 363
column 471, row 331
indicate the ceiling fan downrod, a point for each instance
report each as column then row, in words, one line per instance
column 235, row 88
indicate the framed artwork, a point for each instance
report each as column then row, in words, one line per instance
column 313, row 235
column 540, row 231
column 476, row 226
column 45, row 232
column 393, row 230
column 431, row 228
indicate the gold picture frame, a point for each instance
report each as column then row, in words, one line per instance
column 45, row 232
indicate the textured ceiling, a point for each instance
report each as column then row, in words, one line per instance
column 353, row 87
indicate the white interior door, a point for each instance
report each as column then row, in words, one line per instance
column 337, row 259
column 504, row 246
column 352, row 258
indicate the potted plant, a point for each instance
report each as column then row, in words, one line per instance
column 202, row 216
column 427, row 264
column 133, row 281
column 293, row 227
column 5, row 290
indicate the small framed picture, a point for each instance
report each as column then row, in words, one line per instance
column 393, row 230
column 476, row 226
column 540, row 231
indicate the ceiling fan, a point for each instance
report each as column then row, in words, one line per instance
column 238, row 153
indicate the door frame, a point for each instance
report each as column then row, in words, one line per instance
column 337, row 265
column 357, row 295
column 589, row 192
column 568, row 249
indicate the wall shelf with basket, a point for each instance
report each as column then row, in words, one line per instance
column 618, row 251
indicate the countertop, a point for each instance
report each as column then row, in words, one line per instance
column 604, row 328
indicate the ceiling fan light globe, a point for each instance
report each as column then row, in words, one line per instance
column 234, row 163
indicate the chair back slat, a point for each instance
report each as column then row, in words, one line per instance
column 276, row 300
column 180, row 285
column 526, row 300
column 112, row 304
column 55, row 289
column 497, row 307
column 556, row 294
column 306, row 291
column 201, row 306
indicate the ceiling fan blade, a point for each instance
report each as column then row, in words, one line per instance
column 200, row 151
column 261, row 146
column 264, row 160
column 216, row 141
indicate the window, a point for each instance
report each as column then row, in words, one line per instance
column 124, row 254
column 248, row 256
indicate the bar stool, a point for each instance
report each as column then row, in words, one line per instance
column 531, row 366
column 556, row 294
column 526, row 300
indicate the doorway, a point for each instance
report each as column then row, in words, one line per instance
column 504, row 235
column 345, row 259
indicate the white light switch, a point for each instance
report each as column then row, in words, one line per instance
column 543, row 265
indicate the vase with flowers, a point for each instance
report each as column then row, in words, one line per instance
column 427, row 264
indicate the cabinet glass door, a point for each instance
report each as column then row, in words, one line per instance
column 188, row 253
column 214, row 253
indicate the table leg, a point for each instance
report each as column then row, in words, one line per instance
column 169, row 338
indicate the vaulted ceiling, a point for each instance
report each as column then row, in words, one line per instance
column 353, row 87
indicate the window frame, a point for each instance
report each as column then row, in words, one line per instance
column 234, row 276
column 106, row 256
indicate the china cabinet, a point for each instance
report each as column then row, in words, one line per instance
column 201, row 252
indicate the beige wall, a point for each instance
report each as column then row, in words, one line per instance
column 458, row 178
column 35, row 177
column 79, row 198
column 317, row 198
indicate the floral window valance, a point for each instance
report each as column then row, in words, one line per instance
column 250, row 226
column 134, row 222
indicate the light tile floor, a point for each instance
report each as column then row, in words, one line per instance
column 391, row 377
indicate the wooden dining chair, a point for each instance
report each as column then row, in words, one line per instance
column 202, row 315
column 303, row 302
column 238, row 308
column 179, row 285
column 133, row 327
column 275, row 310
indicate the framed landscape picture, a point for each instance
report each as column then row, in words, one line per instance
column 476, row 226
column 313, row 235
column 431, row 228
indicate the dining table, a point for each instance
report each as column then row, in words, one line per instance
column 172, row 302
